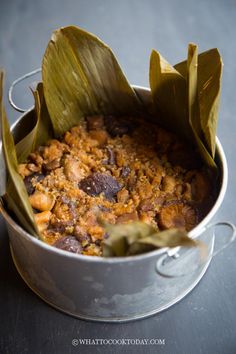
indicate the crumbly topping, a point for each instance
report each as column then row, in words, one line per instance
column 120, row 169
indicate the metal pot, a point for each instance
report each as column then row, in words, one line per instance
column 112, row 289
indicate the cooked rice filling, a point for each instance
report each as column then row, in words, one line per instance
column 120, row 170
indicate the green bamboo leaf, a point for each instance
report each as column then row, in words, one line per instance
column 209, row 86
column 138, row 237
column 169, row 93
column 192, row 83
column 16, row 196
column 81, row 76
column 193, row 104
column 169, row 238
column 42, row 128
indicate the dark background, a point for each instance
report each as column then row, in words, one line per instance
column 203, row 322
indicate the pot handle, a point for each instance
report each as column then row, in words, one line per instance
column 171, row 263
column 17, row 81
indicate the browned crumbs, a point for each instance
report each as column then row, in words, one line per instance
column 120, row 169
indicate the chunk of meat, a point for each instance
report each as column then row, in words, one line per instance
column 95, row 122
column 42, row 201
column 177, row 215
column 72, row 170
column 100, row 136
column 42, row 220
column 28, row 180
column 53, row 151
column 33, row 168
column 81, row 234
column 168, row 184
column 27, row 169
column 98, row 183
column 23, row 170
column 118, row 126
column 51, row 165
column 122, row 196
column 150, row 204
column 66, row 213
column 36, row 158
column 69, row 243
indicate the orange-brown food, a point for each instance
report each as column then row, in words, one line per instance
column 120, row 169
column 177, row 215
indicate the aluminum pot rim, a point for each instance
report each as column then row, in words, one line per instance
column 97, row 259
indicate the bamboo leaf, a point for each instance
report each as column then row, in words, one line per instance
column 193, row 104
column 209, row 86
column 175, row 94
column 81, row 76
column 169, row 92
column 138, row 237
column 16, row 197
column 42, row 130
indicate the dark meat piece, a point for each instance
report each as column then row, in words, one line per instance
column 60, row 225
column 118, row 126
column 72, row 204
column 28, row 184
column 57, row 227
column 83, row 237
column 150, row 204
column 95, row 122
column 97, row 183
column 69, row 243
column 51, row 165
column 100, row 136
column 125, row 171
column 28, row 181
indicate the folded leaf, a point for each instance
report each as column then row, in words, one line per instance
column 209, row 85
column 16, row 197
column 81, row 77
column 169, row 92
column 138, row 237
column 171, row 89
column 193, row 104
column 192, row 87
column 42, row 130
